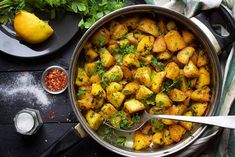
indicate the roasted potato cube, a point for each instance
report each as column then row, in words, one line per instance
column 177, row 95
column 107, row 111
column 164, row 55
column 114, row 87
column 145, row 45
column 90, row 68
column 199, row 108
column 113, row 48
column 141, row 141
column 131, row 60
column 118, row 30
column 146, row 59
column 187, row 100
column 202, row 59
column 149, row 26
column 172, row 71
column 127, row 73
column 86, row 103
column 101, row 37
column 157, row 79
column 174, row 41
column 201, row 95
column 191, row 70
column 159, row 45
column 82, row 78
column 176, row 132
column 133, row 106
column 177, row 109
column 143, row 93
column 204, row 78
column 106, row 58
column 95, row 78
column 171, row 25
column 167, row 137
column 132, row 22
column 169, row 121
column 193, row 82
column 184, row 55
column 194, row 58
column 116, row 99
column 139, row 36
column 94, row 119
column 183, row 82
column 114, row 74
column 91, row 54
column 158, row 138
column 123, row 43
column 130, row 88
column 132, row 40
column 143, row 75
column 98, row 102
column 187, row 125
column 97, row 90
column 162, row 100
column 187, row 36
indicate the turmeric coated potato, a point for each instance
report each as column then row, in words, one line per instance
column 118, row 30
column 159, row 45
column 101, row 37
column 143, row 76
column 141, row 141
column 130, row 88
column 184, row 55
column 176, row 132
column 145, row 45
column 94, row 119
column 149, row 26
column 143, row 93
column 174, row 41
column 191, row 70
column 106, row 58
column 157, row 80
column 133, row 106
column 172, row 71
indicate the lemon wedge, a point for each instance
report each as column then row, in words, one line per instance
column 30, row 28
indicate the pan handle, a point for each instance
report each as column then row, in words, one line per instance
column 209, row 19
column 69, row 139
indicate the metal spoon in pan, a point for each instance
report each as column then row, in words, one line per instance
column 221, row 121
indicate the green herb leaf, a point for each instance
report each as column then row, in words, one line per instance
column 80, row 92
column 158, row 64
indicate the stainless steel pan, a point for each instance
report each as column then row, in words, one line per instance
column 212, row 42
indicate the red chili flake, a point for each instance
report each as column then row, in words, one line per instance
column 55, row 80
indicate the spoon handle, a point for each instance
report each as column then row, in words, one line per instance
column 222, row 121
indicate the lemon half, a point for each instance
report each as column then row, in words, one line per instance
column 30, row 28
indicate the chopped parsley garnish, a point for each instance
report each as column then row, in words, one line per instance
column 158, row 64
column 120, row 120
column 128, row 49
column 101, row 40
column 80, row 92
column 169, row 85
column 158, row 125
column 143, row 64
column 100, row 69
column 135, row 118
column 150, row 100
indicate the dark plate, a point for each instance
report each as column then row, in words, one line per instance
column 65, row 27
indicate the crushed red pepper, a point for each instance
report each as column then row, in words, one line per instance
column 55, row 80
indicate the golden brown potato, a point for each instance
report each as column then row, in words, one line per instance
column 201, row 95
column 145, row 45
column 167, row 137
column 187, row 125
column 159, row 45
column 106, row 58
column 123, row 43
column 130, row 60
column 164, row 55
column 176, row 132
column 184, row 55
column 171, row 25
column 113, row 48
column 132, row 40
column 82, row 78
column 149, row 26
column 191, row 70
column 101, row 37
column 202, row 59
column 183, row 83
column 174, row 41
column 127, row 73
column 157, row 79
column 199, row 108
column 130, row 88
column 187, row 36
column 143, row 93
column 114, row 74
column 116, row 99
column 194, row 58
column 139, row 36
column 204, row 78
column 95, row 78
column 187, row 100
column 141, row 141
column 158, row 138
column 91, row 54
column 172, row 71
column 94, row 119
column 118, row 30
column 177, row 95
column 132, row 22
column 86, row 103
column 177, row 109
column 114, row 87
column 163, row 100
column 146, row 59
column 143, row 76
column 90, row 68
column 107, row 111
column 97, row 90
column 133, row 106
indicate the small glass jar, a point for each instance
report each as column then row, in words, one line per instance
column 27, row 121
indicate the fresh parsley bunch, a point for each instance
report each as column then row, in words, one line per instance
column 90, row 10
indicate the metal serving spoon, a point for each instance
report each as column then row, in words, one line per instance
column 221, row 121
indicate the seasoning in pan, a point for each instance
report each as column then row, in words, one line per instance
column 55, row 79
